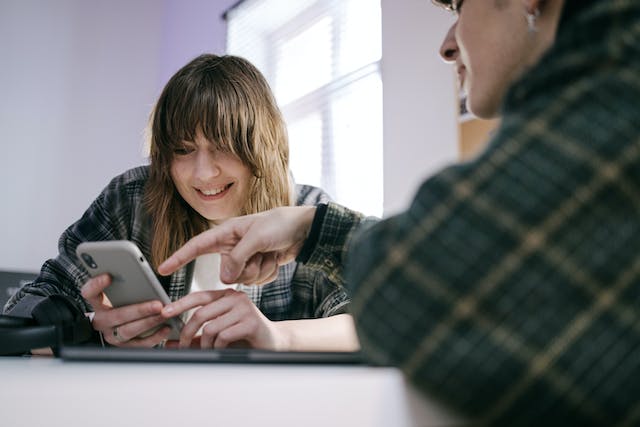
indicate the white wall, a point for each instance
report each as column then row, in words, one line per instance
column 419, row 98
column 77, row 81
column 78, row 78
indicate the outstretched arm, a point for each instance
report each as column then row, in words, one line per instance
column 252, row 247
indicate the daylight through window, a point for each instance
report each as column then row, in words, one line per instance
column 322, row 60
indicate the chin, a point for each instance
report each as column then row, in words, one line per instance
column 213, row 219
column 482, row 110
column 217, row 219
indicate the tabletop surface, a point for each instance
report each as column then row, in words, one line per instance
column 57, row 392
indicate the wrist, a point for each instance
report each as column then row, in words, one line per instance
column 282, row 337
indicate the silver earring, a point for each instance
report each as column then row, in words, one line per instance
column 532, row 17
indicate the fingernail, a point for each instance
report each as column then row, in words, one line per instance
column 168, row 310
column 161, row 267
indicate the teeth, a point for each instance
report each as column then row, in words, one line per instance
column 214, row 191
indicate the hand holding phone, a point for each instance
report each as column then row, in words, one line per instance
column 132, row 279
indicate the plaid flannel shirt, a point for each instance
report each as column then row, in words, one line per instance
column 510, row 288
column 118, row 213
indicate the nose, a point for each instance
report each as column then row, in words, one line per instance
column 449, row 49
column 206, row 166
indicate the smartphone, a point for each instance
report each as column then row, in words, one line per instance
column 132, row 279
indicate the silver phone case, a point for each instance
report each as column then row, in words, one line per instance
column 132, row 279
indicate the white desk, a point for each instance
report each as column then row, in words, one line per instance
column 42, row 391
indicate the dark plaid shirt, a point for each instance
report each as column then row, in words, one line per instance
column 510, row 289
column 118, row 213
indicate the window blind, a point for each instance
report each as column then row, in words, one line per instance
column 322, row 60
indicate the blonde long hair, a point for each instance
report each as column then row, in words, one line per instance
column 230, row 101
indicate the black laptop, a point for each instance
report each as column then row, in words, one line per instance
column 229, row 355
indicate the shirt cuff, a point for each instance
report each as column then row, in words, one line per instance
column 314, row 233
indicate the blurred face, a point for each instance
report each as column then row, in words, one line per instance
column 491, row 47
column 214, row 183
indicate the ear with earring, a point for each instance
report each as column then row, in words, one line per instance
column 532, row 17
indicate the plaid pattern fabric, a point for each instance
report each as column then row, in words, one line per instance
column 118, row 213
column 510, row 289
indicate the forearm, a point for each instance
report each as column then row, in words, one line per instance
column 53, row 279
column 335, row 333
column 108, row 218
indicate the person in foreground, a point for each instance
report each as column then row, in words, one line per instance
column 218, row 149
column 509, row 289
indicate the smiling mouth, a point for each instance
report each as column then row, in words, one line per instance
column 215, row 193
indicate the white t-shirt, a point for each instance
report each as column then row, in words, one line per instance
column 206, row 276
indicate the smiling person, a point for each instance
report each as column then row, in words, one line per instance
column 218, row 149
column 509, row 289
